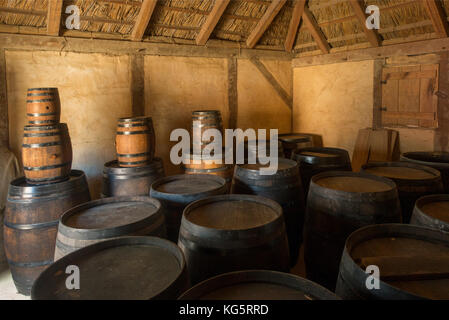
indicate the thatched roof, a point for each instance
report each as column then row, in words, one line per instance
column 181, row 21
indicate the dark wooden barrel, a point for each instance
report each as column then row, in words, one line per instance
column 293, row 141
column 251, row 147
column 134, row 181
column 339, row 203
column 432, row 211
column 176, row 192
column 43, row 106
column 46, row 153
column 227, row 233
column 31, row 223
column 127, row 268
column 436, row 160
column 135, row 141
column 203, row 120
column 413, row 263
column 412, row 180
column 258, row 285
column 315, row 160
column 108, row 218
column 209, row 165
column 285, row 188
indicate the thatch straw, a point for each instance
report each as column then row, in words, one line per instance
column 277, row 31
column 31, row 20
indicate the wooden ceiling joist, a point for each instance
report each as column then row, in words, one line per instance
column 298, row 10
column 315, row 30
column 371, row 34
column 264, row 22
column 438, row 17
column 146, row 11
column 54, row 17
column 211, row 21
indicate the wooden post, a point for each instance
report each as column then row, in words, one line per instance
column 54, row 17
column 441, row 142
column 377, row 94
column 143, row 19
column 137, row 84
column 4, row 124
column 211, row 22
column 232, row 92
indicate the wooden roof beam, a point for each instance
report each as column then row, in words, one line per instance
column 298, row 10
column 315, row 30
column 371, row 34
column 211, row 21
column 438, row 17
column 54, row 17
column 264, row 22
column 146, row 11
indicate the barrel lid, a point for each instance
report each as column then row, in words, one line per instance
column 114, row 168
column 285, row 168
column 232, row 212
column 133, row 119
column 258, row 285
column 118, row 269
column 188, row 184
column 431, row 158
column 323, row 156
column 436, row 206
column 41, row 89
column 294, row 137
column 206, row 112
column 410, row 258
column 353, row 182
column 19, row 188
column 401, row 171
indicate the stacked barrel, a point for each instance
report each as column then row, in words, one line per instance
column 35, row 202
column 136, row 167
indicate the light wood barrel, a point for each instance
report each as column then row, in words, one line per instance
column 31, row 223
column 413, row 263
column 258, row 285
column 176, row 192
column 339, row 203
column 227, row 233
column 126, row 268
column 285, row 188
column 135, row 141
column 108, row 218
column 46, row 153
column 432, row 211
column 202, row 121
column 412, row 180
column 43, row 106
column 135, row 181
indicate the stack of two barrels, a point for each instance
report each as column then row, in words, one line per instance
column 136, row 168
column 203, row 164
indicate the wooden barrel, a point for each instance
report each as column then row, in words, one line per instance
column 339, row 203
column 135, row 181
column 43, row 106
column 106, row 219
column 432, row 211
column 251, row 147
column 201, row 121
column 135, row 141
column 46, row 153
column 31, row 223
column 176, row 192
column 258, row 285
column 315, row 160
column 293, row 141
column 127, row 268
column 227, row 233
column 209, row 165
column 436, row 160
column 413, row 263
column 285, row 188
column 412, row 181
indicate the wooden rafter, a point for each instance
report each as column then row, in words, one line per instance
column 438, row 17
column 211, row 21
column 371, row 34
column 315, row 30
column 146, row 11
column 294, row 24
column 264, row 22
column 54, row 17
